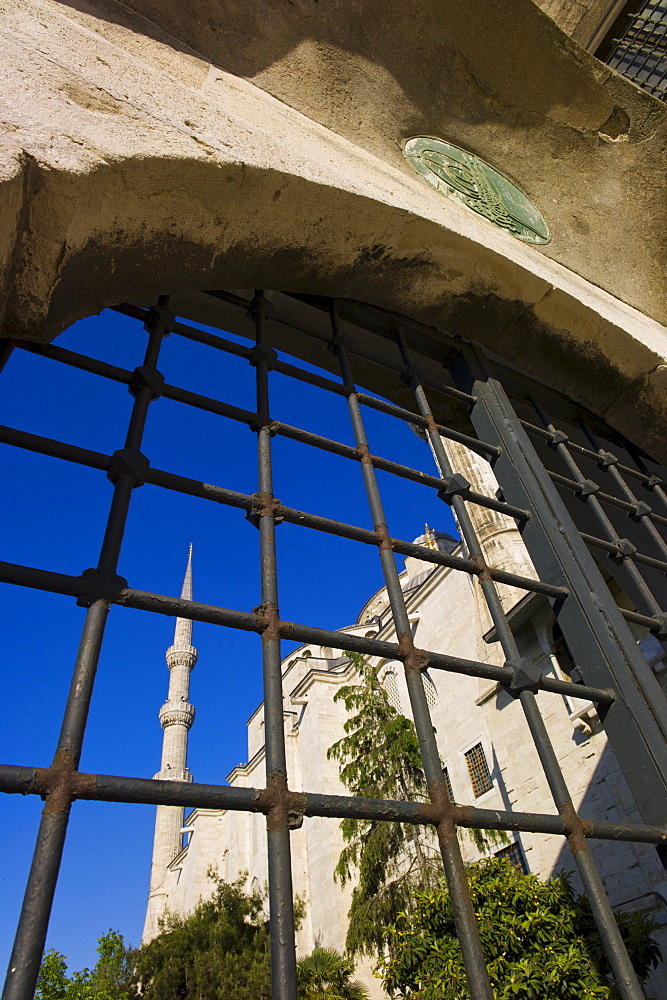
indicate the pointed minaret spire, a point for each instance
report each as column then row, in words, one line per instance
column 183, row 630
column 176, row 717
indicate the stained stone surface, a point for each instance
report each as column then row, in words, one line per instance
column 147, row 150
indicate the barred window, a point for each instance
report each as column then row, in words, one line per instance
column 515, row 856
column 480, row 776
column 429, row 691
column 390, row 684
column 448, row 784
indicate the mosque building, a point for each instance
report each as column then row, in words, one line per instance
column 487, row 751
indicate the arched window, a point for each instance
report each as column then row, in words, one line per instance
column 430, row 691
column 390, row 684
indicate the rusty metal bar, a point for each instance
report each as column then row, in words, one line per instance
column 193, row 795
column 125, row 471
column 462, row 909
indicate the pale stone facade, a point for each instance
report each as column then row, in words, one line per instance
column 448, row 614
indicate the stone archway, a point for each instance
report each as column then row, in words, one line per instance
column 145, row 159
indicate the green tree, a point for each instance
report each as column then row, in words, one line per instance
column 539, row 939
column 326, row 975
column 53, row 982
column 110, row 978
column 220, row 951
column 379, row 758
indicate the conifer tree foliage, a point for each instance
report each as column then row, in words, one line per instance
column 221, row 950
column 379, row 758
column 327, row 975
column 539, row 939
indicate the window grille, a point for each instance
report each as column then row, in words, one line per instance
column 480, row 776
column 390, row 685
column 431, row 693
column 515, row 856
column 570, row 483
column 638, row 48
column 448, row 783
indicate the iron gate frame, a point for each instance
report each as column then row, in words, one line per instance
column 612, row 672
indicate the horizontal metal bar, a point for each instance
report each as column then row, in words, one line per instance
column 211, row 405
column 218, row 494
column 612, row 548
column 150, row 791
column 80, row 361
column 654, row 624
column 607, row 498
column 254, row 622
column 402, row 471
column 546, row 435
column 414, row 418
column 221, row 344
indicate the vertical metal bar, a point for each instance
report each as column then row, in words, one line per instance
column 624, row 973
column 464, row 917
column 614, row 946
column 612, row 469
column 281, row 909
column 36, row 910
column 597, row 636
column 608, row 529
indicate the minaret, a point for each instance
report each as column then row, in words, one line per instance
column 497, row 533
column 176, row 717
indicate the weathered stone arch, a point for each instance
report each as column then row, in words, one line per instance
column 135, row 165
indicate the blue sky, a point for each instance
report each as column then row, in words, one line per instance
column 54, row 513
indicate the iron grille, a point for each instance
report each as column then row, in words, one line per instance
column 457, row 394
column 514, row 855
column 478, row 769
column 639, row 51
column 448, row 783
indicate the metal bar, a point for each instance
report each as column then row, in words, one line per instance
column 218, row 494
column 35, row 913
column 281, row 909
column 488, row 450
column 624, row 973
column 654, row 624
column 596, row 634
column 614, row 549
column 24, row 780
column 545, row 435
column 403, row 471
column 462, row 910
column 641, row 513
column 176, row 607
column 607, row 498
column 589, row 490
column 216, row 406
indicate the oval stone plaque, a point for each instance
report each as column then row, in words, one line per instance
column 464, row 177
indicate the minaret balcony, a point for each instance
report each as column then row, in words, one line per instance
column 176, row 713
column 181, row 656
column 173, row 774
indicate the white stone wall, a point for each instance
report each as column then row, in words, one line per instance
column 448, row 613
